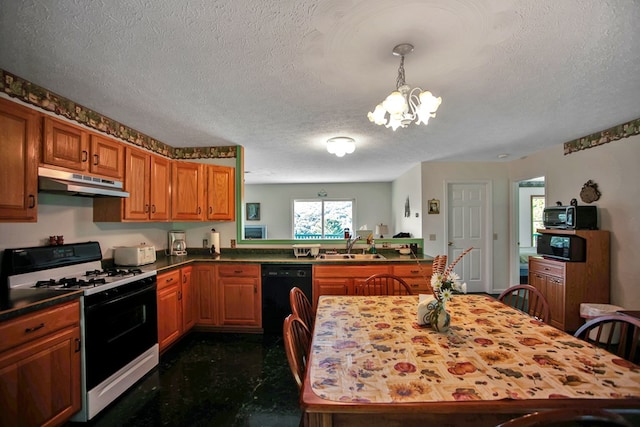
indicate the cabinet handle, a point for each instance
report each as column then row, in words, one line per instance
column 415, row 271
column 255, row 289
column 32, row 201
column 210, row 210
column 35, row 328
column 85, row 156
column 179, row 295
column 146, row 208
column 77, row 345
column 238, row 271
column 170, row 279
column 153, row 208
column 184, row 279
column 96, row 160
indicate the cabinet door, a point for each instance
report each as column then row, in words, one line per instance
column 188, row 311
column 555, row 292
column 240, row 302
column 40, row 381
column 107, row 157
column 160, row 180
column 65, row 145
column 169, row 308
column 203, row 282
column 19, row 153
column 137, row 183
column 418, row 277
column 186, row 191
column 220, row 195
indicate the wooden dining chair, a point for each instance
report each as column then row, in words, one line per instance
column 384, row 284
column 297, row 340
column 617, row 333
column 569, row 417
column 527, row 299
column 439, row 264
column 301, row 307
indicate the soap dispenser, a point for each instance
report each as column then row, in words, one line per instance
column 372, row 249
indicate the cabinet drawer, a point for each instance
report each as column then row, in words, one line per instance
column 167, row 279
column 423, row 271
column 546, row 266
column 239, row 270
column 362, row 271
column 40, row 323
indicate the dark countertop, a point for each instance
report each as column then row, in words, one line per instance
column 275, row 256
column 23, row 301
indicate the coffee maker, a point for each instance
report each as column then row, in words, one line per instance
column 177, row 242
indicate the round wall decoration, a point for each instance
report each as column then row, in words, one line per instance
column 589, row 192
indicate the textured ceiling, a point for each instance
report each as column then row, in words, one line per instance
column 280, row 77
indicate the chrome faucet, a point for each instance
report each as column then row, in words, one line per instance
column 351, row 242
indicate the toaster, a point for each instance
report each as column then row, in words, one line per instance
column 134, row 255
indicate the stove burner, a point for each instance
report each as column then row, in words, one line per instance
column 45, row 283
column 111, row 272
column 94, row 273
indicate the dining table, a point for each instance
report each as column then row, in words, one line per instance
column 371, row 363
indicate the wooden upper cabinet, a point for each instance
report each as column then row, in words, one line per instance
column 64, row 145
column 19, row 144
column 137, row 182
column 107, row 157
column 187, row 191
column 160, row 189
column 71, row 147
column 220, row 193
column 147, row 179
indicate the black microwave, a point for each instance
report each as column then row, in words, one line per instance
column 566, row 248
column 571, row 217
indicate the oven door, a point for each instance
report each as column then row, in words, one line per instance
column 119, row 326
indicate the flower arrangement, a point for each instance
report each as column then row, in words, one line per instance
column 447, row 283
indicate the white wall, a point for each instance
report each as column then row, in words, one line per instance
column 614, row 167
column 276, row 202
column 407, row 185
column 72, row 217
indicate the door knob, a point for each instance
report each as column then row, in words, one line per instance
column 450, row 243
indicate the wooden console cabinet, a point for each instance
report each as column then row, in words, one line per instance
column 566, row 284
column 175, row 306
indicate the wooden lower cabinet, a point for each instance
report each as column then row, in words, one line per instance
column 240, row 295
column 203, row 278
column 40, row 367
column 175, row 306
column 418, row 277
column 340, row 279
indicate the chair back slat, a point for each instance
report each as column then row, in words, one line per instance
column 301, row 307
column 569, row 417
column 297, row 339
column 384, row 284
column 527, row 299
column 617, row 333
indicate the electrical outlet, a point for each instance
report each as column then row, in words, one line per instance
column 495, row 236
column 432, row 237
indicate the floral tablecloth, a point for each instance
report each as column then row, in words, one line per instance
column 371, row 349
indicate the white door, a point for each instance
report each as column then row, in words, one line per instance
column 469, row 225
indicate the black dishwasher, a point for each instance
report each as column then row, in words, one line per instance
column 277, row 281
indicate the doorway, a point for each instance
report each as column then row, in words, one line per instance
column 469, row 224
column 528, row 197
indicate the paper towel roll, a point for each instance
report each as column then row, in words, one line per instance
column 214, row 241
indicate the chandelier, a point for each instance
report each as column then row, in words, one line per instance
column 405, row 105
column 341, row 145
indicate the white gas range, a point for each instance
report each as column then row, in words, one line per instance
column 119, row 329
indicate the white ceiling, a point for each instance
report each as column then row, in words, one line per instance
column 280, row 77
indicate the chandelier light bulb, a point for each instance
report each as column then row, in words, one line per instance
column 405, row 105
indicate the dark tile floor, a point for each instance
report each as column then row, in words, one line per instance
column 235, row 380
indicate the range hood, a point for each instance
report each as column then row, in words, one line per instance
column 75, row 184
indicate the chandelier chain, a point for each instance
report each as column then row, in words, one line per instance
column 400, row 80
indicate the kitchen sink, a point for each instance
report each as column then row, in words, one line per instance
column 350, row 257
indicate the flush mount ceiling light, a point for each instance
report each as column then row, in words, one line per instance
column 341, row 145
column 405, row 105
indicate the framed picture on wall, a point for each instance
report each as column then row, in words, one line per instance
column 434, row 206
column 253, row 211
